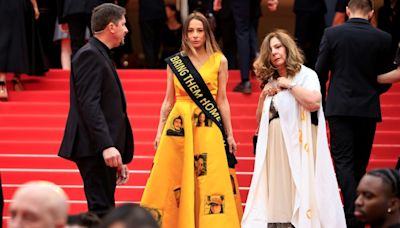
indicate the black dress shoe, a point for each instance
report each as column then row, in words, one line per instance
column 243, row 87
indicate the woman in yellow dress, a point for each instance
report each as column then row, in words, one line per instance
column 191, row 185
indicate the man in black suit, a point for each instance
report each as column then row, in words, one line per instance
column 355, row 53
column 98, row 135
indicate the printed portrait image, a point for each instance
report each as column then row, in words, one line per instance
column 156, row 213
column 177, row 193
column 200, row 164
column 176, row 128
column 202, row 120
column 214, row 204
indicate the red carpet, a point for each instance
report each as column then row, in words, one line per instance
column 32, row 124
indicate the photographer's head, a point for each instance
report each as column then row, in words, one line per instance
column 108, row 24
column 378, row 201
column 360, row 9
column 38, row 204
column 129, row 216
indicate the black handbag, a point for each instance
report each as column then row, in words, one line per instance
column 255, row 138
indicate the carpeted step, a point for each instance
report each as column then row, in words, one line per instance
column 39, row 133
column 146, row 148
column 72, row 176
column 32, row 123
column 133, row 108
column 35, row 161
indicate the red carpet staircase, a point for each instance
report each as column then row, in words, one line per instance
column 32, row 124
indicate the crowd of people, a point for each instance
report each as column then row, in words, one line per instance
column 193, row 181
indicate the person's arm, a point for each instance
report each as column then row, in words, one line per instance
column 166, row 106
column 35, row 9
column 323, row 65
column 223, row 103
column 339, row 18
column 309, row 99
column 270, row 89
column 390, row 77
column 260, row 105
column 340, row 15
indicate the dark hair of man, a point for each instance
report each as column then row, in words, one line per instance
column 364, row 6
column 131, row 215
column 105, row 13
column 390, row 177
column 87, row 219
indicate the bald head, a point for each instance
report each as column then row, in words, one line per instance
column 38, row 204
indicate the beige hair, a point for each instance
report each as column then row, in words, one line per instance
column 294, row 57
column 211, row 44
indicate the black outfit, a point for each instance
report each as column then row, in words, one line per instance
column 46, row 21
column 225, row 31
column 171, row 42
column 97, row 120
column 355, row 53
column 20, row 45
column 151, row 20
column 309, row 28
column 77, row 14
column 246, row 36
column 389, row 21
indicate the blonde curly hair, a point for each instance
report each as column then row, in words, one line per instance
column 263, row 67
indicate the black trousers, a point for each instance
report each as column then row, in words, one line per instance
column 351, row 141
column 99, row 183
column 246, row 37
column 77, row 24
column 309, row 29
column 151, row 39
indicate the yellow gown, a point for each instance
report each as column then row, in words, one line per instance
column 190, row 185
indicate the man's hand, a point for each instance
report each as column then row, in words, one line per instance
column 122, row 175
column 217, row 6
column 112, row 157
column 272, row 5
column 232, row 144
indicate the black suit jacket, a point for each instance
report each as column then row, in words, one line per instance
column 97, row 117
column 355, row 53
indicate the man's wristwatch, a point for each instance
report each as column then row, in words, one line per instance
column 291, row 85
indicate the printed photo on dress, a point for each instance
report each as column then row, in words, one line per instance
column 200, row 164
column 176, row 127
column 202, row 120
column 177, row 194
column 214, row 204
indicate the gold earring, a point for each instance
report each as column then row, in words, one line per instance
column 389, row 210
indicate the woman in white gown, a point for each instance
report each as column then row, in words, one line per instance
column 294, row 183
